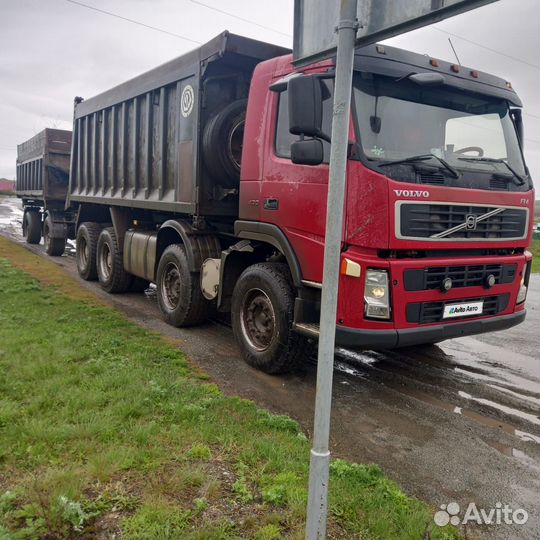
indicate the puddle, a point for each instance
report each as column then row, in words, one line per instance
column 524, row 458
column 503, row 408
column 367, row 359
column 491, row 363
column 349, row 370
column 486, row 421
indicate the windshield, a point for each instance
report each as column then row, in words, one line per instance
column 400, row 119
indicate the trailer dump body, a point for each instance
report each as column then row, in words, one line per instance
column 151, row 142
column 43, row 167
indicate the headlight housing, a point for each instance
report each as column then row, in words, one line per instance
column 377, row 294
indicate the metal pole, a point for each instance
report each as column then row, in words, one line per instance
column 320, row 454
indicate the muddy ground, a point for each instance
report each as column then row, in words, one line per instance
column 454, row 422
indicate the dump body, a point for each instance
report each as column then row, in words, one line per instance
column 43, row 167
column 139, row 144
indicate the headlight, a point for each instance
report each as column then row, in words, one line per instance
column 376, row 294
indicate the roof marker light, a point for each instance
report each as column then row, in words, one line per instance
column 380, row 49
column 454, row 68
column 434, row 62
column 474, row 73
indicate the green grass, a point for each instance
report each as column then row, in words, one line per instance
column 534, row 248
column 105, row 429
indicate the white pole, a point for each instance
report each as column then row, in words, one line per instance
column 320, row 454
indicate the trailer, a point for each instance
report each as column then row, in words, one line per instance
column 208, row 176
column 42, row 184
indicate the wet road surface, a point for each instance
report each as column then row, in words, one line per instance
column 454, row 422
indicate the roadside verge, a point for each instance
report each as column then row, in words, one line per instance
column 106, row 430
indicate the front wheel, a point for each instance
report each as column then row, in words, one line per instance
column 262, row 316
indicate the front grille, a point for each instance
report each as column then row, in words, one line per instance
column 462, row 222
column 432, row 312
column 422, row 279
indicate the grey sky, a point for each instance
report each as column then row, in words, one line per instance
column 53, row 50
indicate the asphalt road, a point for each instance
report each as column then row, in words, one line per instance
column 454, row 422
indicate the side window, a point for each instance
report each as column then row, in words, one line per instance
column 284, row 138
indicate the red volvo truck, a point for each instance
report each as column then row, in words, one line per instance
column 208, row 176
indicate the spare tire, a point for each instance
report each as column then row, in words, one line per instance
column 222, row 142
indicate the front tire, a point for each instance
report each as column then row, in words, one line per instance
column 32, row 227
column 53, row 246
column 110, row 265
column 179, row 295
column 262, row 316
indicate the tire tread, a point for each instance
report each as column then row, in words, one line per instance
column 93, row 231
column 120, row 279
column 296, row 348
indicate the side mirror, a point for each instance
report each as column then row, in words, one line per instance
column 427, row 79
column 307, row 152
column 305, row 106
column 517, row 118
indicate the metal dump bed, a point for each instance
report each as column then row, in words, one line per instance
column 43, row 167
column 139, row 144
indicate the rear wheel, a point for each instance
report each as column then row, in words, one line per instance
column 179, row 295
column 110, row 266
column 32, row 226
column 85, row 252
column 262, row 316
column 53, row 246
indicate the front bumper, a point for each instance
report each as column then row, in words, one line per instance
column 353, row 338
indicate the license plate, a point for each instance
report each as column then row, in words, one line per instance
column 463, row 309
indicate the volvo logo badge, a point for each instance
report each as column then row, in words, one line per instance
column 470, row 221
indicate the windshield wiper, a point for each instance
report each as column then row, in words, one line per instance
column 423, row 157
column 521, row 180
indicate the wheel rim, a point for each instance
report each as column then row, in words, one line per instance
column 171, row 285
column 258, row 319
column 105, row 261
column 82, row 252
column 236, row 138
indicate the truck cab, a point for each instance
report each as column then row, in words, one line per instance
column 439, row 201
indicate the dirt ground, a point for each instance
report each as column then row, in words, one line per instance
column 454, row 422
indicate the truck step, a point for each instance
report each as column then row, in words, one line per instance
column 308, row 329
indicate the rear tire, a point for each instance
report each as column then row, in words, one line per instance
column 262, row 317
column 85, row 252
column 179, row 295
column 110, row 265
column 53, row 246
column 32, row 226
